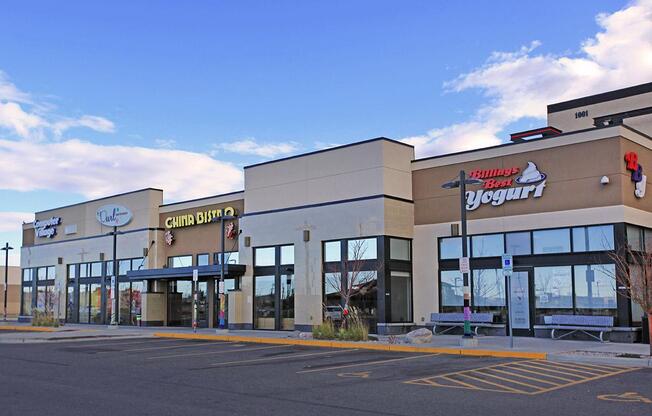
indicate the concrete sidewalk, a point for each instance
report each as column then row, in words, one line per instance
column 524, row 347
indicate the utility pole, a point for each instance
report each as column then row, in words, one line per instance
column 220, row 286
column 6, row 249
column 115, row 301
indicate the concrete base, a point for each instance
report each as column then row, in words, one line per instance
column 468, row 342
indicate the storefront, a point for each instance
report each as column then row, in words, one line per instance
column 366, row 224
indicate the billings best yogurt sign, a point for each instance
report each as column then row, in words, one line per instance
column 506, row 184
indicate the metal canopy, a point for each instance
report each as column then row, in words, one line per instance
column 230, row 270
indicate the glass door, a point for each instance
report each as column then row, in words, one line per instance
column 265, row 302
column 520, row 293
column 287, row 302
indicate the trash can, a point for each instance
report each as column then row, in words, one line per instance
column 646, row 330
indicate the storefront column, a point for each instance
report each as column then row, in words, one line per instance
column 210, row 288
column 154, row 304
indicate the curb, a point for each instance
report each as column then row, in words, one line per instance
column 22, row 328
column 357, row 345
column 625, row 362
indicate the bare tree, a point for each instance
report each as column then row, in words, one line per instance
column 634, row 272
column 354, row 279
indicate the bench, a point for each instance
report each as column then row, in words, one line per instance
column 586, row 324
column 456, row 320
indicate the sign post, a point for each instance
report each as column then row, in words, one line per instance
column 508, row 266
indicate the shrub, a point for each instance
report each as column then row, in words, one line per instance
column 325, row 330
column 41, row 318
column 355, row 329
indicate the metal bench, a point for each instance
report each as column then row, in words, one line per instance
column 586, row 324
column 456, row 320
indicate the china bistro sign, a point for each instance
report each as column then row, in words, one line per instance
column 200, row 217
column 113, row 215
column 501, row 185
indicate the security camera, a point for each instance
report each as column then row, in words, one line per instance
column 604, row 180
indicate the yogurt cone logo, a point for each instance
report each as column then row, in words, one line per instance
column 530, row 175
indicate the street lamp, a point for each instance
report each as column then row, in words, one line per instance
column 220, row 287
column 6, row 249
column 461, row 183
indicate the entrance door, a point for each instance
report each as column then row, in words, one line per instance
column 521, row 316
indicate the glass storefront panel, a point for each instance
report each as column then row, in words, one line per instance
column 598, row 238
column 553, row 287
column 488, row 288
column 490, row 245
column 40, row 298
column 124, row 289
column 287, row 254
column 84, row 316
column 230, row 257
column 203, row 259
column 27, row 301
column 518, row 244
column 399, row 249
column 595, row 286
column 180, row 303
column 96, row 303
column 452, row 288
column 551, row 241
column 332, row 284
column 96, row 269
column 400, row 296
column 136, row 301
column 265, row 302
column 123, row 267
column 287, row 302
column 70, row 303
column 332, row 251
column 634, row 238
column 364, row 296
column 180, row 261
column 265, row 256
column 363, row 249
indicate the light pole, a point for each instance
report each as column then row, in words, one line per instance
column 6, row 249
column 461, row 183
column 220, row 286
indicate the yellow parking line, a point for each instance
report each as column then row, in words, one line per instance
column 509, row 380
column 564, row 370
column 470, row 386
column 363, row 364
column 161, row 357
column 167, row 347
column 586, row 380
column 524, row 376
column 568, row 380
column 501, row 386
column 281, row 357
column 104, row 344
column 583, row 366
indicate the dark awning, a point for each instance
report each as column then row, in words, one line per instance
column 230, row 270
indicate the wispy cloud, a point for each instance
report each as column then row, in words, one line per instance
column 165, row 143
column 12, row 221
column 254, row 148
column 520, row 84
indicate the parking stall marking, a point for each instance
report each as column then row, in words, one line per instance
column 283, row 357
column 192, row 344
column 117, row 342
column 162, row 357
column 391, row 360
column 522, row 377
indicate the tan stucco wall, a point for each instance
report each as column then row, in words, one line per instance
column 13, row 293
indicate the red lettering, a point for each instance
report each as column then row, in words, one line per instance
column 632, row 161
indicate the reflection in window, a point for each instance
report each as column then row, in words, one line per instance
column 27, row 275
column 180, row 261
column 230, row 257
column 332, row 284
column 362, row 249
column 634, row 238
column 490, row 245
column 518, row 244
column 71, row 271
column 332, row 251
column 41, row 273
column 96, row 269
column 364, row 287
column 488, row 287
column 399, row 249
column 452, row 288
column 401, row 296
column 203, row 259
column 450, row 248
column 597, row 238
column 265, row 256
column 27, row 300
column 551, row 241
column 265, row 302
column 595, row 286
column 553, row 287
column 123, row 267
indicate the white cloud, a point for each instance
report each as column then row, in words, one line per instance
column 252, row 147
column 98, row 170
column 96, row 123
column 12, row 221
column 520, row 84
column 24, row 124
column 165, row 143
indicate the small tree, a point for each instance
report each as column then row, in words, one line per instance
column 354, row 279
column 634, row 272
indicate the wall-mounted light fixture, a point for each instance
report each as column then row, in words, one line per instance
column 604, row 180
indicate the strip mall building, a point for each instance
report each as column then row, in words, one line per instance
column 559, row 202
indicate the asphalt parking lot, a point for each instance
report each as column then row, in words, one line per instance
column 143, row 376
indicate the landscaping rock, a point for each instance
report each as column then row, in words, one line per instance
column 419, row 336
column 305, row 335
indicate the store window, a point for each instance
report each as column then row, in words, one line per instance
column 518, row 244
column 27, row 275
column 551, row 241
column 452, row 289
column 362, row 249
column 71, row 271
column 123, row 267
column 451, row 247
column 230, row 257
column 488, row 288
column 265, row 256
column 399, row 249
column 490, row 245
column 553, row 287
column 595, row 286
column 26, row 304
column 332, row 288
column 203, row 259
column 634, row 237
column 332, row 251
column 287, row 254
column 596, row 238
column 96, row 269
column 180, row 261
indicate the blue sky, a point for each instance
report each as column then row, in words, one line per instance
column 104, row 97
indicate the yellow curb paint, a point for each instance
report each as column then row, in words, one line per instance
column 360, row 346
column 26, row 328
